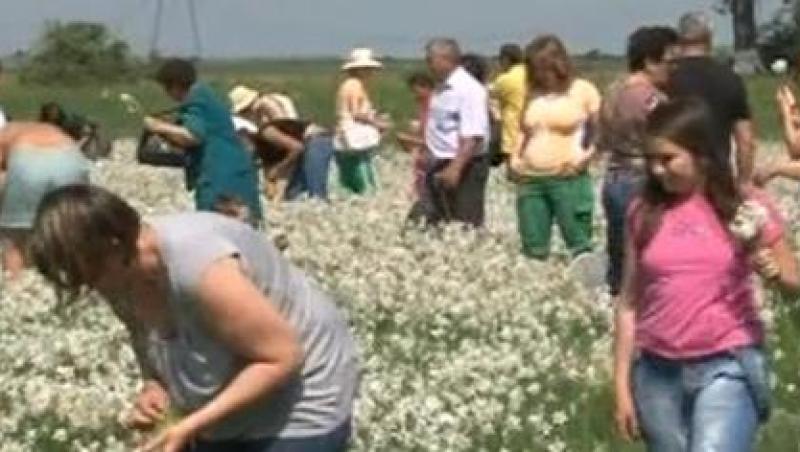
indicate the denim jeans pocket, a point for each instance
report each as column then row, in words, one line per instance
column 757, row 373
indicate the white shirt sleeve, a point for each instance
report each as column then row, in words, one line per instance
column 474, row 114
column 3, row 119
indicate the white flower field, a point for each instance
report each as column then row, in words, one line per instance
column 466, row 345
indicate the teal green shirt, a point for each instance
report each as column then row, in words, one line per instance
column 219, row 165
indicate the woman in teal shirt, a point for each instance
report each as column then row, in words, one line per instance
column 217, row 163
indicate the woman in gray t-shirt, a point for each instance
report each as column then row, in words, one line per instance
column 242, row 345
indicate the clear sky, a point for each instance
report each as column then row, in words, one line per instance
column 279, row 28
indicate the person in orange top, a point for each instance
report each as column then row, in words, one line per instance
column 557, row 145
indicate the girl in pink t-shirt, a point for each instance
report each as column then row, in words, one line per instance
column 688, row 364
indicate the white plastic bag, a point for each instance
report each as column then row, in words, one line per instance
column 356, row 136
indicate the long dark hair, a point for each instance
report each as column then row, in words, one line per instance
column 688, row 124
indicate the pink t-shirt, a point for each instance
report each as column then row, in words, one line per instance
column 695, row 293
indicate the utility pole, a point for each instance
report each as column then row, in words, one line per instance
column 193, row 23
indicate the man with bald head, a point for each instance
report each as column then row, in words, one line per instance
column 456, row 137
column 35, row 158
column 696, row 74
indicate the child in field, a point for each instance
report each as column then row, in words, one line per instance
column 413, row 141
column 689, row 361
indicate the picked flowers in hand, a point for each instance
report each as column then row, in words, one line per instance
column 750, row 218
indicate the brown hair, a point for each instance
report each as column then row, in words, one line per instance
column 547, row 54
column 176, row 72
column 688, row 123
column 76, row 228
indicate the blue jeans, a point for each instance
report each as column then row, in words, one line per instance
column 335, row 441
column 704, row 405
column 311, row 174
column 619, row 189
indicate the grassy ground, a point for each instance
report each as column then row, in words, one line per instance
column 311, row 83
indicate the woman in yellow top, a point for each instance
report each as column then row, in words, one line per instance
column 359, row 127
column 551, row 160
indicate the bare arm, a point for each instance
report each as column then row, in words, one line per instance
column 241, row 316
column 293, row 147
column 467, row 147
column 624, row 345
column 744, row 137
column 791, row 136
column 5, row 147
column 138, row 337
column 175, row 134
column 589, row 142
column 410, row 142
column 787, row 112
column 787, row 278
column 789, row 170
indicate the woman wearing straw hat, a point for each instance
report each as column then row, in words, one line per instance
column 295, row 154
column 261, row 107
column 359, row 127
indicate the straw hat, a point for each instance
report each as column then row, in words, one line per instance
column 241, row 97
column 361, row 58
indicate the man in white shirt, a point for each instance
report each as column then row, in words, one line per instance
column 456, row 138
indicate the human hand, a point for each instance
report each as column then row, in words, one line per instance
column 625, row 417
column 762, row 176
column 765, row 264
column 572, row 168
column 787, row 104
column 383, row 122
column 449, row 177
column 151, row 123
column 171, row 439
column 273, row 174
column 149, row 407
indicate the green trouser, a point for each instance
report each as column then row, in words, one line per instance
column 568, row 201
column 356, row 172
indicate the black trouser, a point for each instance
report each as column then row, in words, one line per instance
column 464, row 203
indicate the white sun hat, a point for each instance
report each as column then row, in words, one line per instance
column 241, row 97
column 361, row 58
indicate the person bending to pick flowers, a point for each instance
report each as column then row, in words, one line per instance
column 249, row 352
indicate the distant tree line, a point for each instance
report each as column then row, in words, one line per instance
column 79, row 52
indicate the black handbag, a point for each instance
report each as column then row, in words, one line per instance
column 156, row 151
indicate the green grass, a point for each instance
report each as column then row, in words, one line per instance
column 312, row 83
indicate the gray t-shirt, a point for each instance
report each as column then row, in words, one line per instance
column 194, row 365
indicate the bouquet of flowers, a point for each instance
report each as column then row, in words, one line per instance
column 746, row 226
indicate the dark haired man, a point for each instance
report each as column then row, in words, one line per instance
column 218, row 164
column 696, row 74
column 623, row 115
